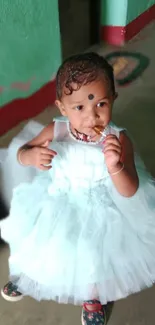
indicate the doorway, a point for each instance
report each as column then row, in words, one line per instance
column 79, row 25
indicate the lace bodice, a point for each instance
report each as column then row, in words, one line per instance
column 77, row 164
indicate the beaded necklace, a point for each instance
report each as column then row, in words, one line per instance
column 80, row 137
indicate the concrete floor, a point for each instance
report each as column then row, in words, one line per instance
column 134, row 109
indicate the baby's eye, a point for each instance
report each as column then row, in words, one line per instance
column 79, row 108
column 101, row 104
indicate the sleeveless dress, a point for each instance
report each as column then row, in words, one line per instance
column 72, row 236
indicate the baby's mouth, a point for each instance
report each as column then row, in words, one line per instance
column 98, row 129
column 85, row 135
column 89, row 134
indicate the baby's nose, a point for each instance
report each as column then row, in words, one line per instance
column 92, row 116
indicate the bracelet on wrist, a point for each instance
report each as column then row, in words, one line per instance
column 118, row 171
column 19, row 157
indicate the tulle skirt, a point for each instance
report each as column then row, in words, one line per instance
column 71, row 246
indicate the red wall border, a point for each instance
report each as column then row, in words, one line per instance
column 21, row 109
column 118, row 35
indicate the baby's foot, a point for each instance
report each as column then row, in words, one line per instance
column 93, row 313
column 10, row 293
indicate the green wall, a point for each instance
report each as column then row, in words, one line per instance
column 136, row 8
column 29, row 46
column 113, row 12
column 122, row 12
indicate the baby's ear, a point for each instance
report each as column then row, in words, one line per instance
column 59, row 104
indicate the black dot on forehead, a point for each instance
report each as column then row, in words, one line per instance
column 90, row 96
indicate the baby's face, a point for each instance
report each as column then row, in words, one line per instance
column 87, row 107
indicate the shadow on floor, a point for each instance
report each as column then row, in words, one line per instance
column 109, row 309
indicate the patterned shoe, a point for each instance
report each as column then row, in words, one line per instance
column 10, row 293
column 95, row 317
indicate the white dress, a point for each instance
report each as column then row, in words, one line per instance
column 72, row 236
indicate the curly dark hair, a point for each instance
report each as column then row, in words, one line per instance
column 82, row 69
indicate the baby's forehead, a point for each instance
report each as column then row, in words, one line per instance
column 89, row 92
column 82, row 69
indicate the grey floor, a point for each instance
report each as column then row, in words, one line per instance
column 134, row 109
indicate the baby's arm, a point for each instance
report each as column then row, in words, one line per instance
column 125, row 179
column 36, row 152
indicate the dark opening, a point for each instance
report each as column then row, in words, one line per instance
column 79, row 25
column 95, row 7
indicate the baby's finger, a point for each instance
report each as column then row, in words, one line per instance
column 46, row 156
column 47, row 151
column 42, row 167
column 112, row 139
column 112, row 147
column 110, row 136
column 45, row 161
column 112, row 153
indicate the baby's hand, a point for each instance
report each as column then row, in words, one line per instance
column 112, row 152
column 38, row 156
